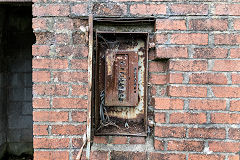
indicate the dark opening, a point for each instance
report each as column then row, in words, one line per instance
column 16, row 39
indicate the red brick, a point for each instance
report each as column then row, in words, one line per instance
column 49, row 89
column 187, row 91
column 236, row 24
column 158, row 145
column 170, row 24
column 78, row 90
column 170, row 132
column 207, row 104
column 79, row 9
column 208, row 24
column 226, row 65
column 137, row 140
column 171, row 52
column 210, row 53
column 188, row 65
column 166, row 156
column 62, row 38
column 235, row 78
column 185, row 146
column 41, row 76
column 40, row 24
column 227, row 9
column 208, row 78
column 227, row 39
column 101, row 140
column 157, row 66
column 40, row 50
column 119, row 140
column 79, row 116
column 79, row 64
column 206, row 157
column 77, row 142
column 50, row 116
column 96, row 155
column 225, row 118
column 72, row 51
column 148, row 9
column 207, row 133
column 50, row 63
column 235, row 105
column 50, row 143
column 50, row 155
column 51, row 10
column 40, row 130
column 45, row 38
column 80, row 37
column 231, row 147
column 174, row 78
column 168, row 103
column 69, row 103
column 189, row 9
column 234, row 133
column 157, row 78
column 161, row 38
column 188, row 118
column 68, row 129
column 234, row 53
column 109, row 9
column 127, row 155
column 226, row 92
column 159, row 117
column 41, row 103
column 63, row 24
column 234, row 157
column 189, row 38
column 70, row 76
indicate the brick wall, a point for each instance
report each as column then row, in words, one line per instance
column 193, row 74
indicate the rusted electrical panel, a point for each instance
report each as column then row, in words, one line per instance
column 120, row 103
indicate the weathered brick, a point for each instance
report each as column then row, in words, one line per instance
column 226, row 92
column 235, row 105
column 208, row 24
column 72, row 51
column 234, row 133
column 109, row 9
column 210, row 53
column 41, row 103
column 128, row 155
column 157, row 66
column 80, row 38
column 227, row 9
column 119, row 140
column 98, row 139
column 157, row 78
column 225, row 118
column 171, row 52
column 40, row 130
column 50, row 143
column 148, row 9
column 189, row 38
column 185, row 145
column 50, row 63
column 51, row 10
column 41, row 76
column 40, row 24
column 79, row 9
column 206, row 157
column 40, row 50
column 78, row 90
column 77, row 142
column 168, row 103
column 79, row 116
column 70, row 76
column 166, row 156
column 62, row 39
column 79, row 64
column 187, row 91
column 170, row 24
column 50, row 116
column 49, row 89
column 137, row 140
column 227, row 39
column 207, row 104
column 170, row 132
column 188, row 65
column 189, row 9
column 217, row 146
column 158, row 145
column 69, row 103
column 208, row 78
column 160, row 38
column 189, row 118
column 43, row 38
column 207, row 133
column 50, row 155
column 63, row 24
column 234, row 157
column 68, row 129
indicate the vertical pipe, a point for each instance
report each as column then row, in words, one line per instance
column 90, row 21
